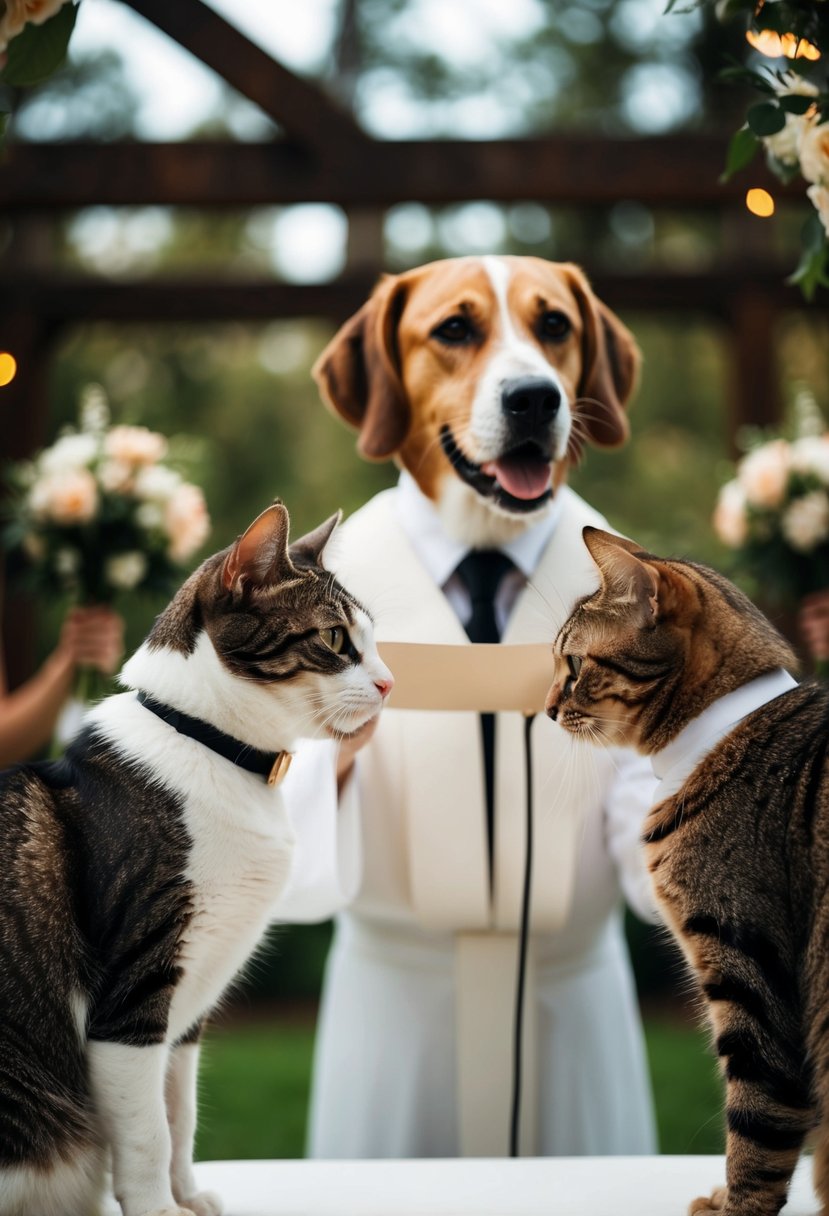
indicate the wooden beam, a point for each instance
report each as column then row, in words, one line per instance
column 63, row 301
column 560, row 170
column 300, row 107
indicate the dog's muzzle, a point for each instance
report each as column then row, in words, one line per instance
column 529, row 406
column 519, row 479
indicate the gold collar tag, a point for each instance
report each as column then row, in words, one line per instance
column 280, row 768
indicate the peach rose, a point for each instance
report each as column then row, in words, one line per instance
column 805, row 522
column 813, row 150
column 764, row 474
column 186, row 522
column 819, row 197
column 730, row 518
column 135, row 445
column 68, row 497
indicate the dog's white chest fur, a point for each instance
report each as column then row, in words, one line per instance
column 239, row 861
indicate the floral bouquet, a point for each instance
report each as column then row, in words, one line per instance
column 774, row 514
column 99, row 514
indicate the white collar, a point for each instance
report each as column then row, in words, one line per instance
column 681, row 756
column 440, row 553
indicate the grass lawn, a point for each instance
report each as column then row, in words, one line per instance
column 254, row 1090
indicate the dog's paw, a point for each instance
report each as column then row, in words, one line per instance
column 711, row 1205
column 205, row 1203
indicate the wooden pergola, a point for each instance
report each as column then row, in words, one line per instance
column 323, row 156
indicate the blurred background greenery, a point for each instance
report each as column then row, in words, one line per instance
column 245, row 418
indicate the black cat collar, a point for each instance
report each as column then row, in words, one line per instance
column 271, row 765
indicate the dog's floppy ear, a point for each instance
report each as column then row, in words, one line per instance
column 610, row 366
column 358, row 373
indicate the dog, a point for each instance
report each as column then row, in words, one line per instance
column 484, row 377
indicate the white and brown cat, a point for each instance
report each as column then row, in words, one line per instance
column 138, row 874
column 672, row 659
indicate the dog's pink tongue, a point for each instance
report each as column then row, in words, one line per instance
column 521, row 476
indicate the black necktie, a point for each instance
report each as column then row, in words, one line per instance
column 482, row 571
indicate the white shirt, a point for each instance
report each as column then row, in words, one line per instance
column 327, row 870
column 441, row 554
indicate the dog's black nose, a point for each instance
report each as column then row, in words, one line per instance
column 531, row 401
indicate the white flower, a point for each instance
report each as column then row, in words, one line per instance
column 186, row 522
column 75, row 451
column 157, row 483
column 67, row 562
column 811, row 455
column 94, row 411
column 805, row 523
column 135, row 445
column 150, row 516
column 764, row 474
column 68, row 497
column 730, row 518
column 813, row 151
column 783, row 145
column 116, row 476
column 125, row 571
column 819, row 196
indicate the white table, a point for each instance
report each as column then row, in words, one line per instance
column 569, row 1186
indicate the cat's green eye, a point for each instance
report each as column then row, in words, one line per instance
column 574, row 663
column 335, row 639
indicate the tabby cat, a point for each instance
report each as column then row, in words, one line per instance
column 137, row 875
column 668, row 657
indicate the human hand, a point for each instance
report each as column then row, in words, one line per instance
column 813, row 623
column 349, row 748
column 93, row 637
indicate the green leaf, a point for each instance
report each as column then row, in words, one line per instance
column 811, row 272
column 795, row 103
column 747, row 76
column 812, row 235
column 741, row 151
column 39, row 50
column 766, row 119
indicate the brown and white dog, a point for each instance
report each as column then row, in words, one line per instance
column 484, row 377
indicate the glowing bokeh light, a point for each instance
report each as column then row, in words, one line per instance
column 760, row 202
column 8, row 368
column 774, row 45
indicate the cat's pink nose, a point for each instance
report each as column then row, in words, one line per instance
column 384, row 687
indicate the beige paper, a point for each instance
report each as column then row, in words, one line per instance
column 484, row 678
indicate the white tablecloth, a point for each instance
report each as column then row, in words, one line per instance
column 576, row 1186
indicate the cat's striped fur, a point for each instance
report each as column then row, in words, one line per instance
column 137, row 875
column 739, row 855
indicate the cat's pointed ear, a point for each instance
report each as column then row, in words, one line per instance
column 626, row 578
column 310, row 548
column 260, row 556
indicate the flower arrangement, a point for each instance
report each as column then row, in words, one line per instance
column 791, row 122
column 774, row 514
column 34, row 36
column 100, row 513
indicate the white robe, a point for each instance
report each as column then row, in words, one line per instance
column 408, row 850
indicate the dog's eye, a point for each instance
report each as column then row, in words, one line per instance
column 453, row 330
column 555, row 325
column 335, row 639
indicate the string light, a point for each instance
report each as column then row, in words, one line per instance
column 774, row 45
column 760, row 202
column 8, row 368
